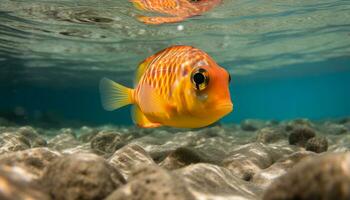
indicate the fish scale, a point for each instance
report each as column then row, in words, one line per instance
column 166, row 94
column 166, row 64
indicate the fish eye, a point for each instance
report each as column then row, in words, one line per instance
column 200, row 79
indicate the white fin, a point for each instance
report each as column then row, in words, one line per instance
column 114, row 95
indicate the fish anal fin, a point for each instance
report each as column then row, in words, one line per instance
column 141, row 120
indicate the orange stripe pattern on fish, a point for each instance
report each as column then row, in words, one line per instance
column 180, row 86
column 178, row 10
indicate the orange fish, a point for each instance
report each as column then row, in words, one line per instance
column 180, row 86
column 178, row 10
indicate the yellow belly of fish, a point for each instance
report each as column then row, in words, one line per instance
column 184, row 121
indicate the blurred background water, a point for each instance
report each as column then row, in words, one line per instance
column 288, row 59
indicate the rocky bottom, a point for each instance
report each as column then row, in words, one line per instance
column 268, row 160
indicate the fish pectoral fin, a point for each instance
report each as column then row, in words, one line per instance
column 114, row 95
column 160, row 20
column 152, row 103
column 141, row 120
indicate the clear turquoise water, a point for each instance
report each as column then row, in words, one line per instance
column 288, row 59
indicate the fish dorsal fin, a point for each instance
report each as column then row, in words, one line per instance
column 141, row 69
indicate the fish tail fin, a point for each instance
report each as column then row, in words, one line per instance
column 114, row 95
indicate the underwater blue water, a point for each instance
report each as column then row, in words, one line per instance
column 288, row 59
column 315, row 96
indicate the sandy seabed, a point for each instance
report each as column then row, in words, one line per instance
column 270, row 160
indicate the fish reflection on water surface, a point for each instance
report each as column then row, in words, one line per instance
column 177, row 10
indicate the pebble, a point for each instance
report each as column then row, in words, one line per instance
column 152, row 182
column 107, row 142
column 266, row 176
column 270, row 135
column 249, row 159
column 160, row 147
column 15, row 186
column 208, row 181
column 33, row 136
column 298, row 123
column 63, row 141
column 299, row 136
column 323, row 177
column 181, row 157
column 317, row 144
column 81, row 176
column 32, row 162
column 87, row 133
column 13, row 141
column 129, row 158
